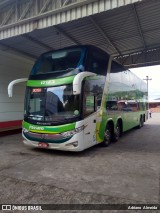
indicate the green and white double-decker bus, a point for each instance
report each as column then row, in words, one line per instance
column 79, row 96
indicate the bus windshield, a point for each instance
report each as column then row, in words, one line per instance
column 52, row 104
column 59, row 61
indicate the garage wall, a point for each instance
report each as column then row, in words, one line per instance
column 11, row 68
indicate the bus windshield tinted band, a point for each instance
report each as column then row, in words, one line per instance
column 59, row 61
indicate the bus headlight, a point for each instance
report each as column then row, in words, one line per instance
column 73, row 132
column 25, row 130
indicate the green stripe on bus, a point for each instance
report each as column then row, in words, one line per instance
column 50, row 82
column 49, row 129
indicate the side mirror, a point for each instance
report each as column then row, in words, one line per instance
column 12, row 83
column 77, row 82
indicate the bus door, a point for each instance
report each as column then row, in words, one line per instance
column 90, row 115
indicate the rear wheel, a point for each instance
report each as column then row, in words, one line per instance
column 141, row 122
column 117, row 133
column 107, row 136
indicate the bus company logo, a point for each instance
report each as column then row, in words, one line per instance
column 50, row 82
column 36, row 128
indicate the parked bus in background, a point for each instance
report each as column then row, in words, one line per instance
column 79, row 96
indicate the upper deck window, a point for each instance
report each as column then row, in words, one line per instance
column 59, row 61
column 97, row 61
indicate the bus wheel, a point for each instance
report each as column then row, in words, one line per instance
column 107, row 136
column 117, row 133
column 141, row 122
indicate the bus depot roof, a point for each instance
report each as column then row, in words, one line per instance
column 128, row 30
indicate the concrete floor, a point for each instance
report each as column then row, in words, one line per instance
column 125, row 172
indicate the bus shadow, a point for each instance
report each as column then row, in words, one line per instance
column 83, row 153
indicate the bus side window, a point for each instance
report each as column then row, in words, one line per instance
column 89, row 104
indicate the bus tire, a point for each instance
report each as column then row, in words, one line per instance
column 117, row 133
column 141, row 122
column 107, row 136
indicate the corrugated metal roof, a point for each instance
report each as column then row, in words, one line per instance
column 10, row 24
column 121, row 31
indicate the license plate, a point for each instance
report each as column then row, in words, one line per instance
column 43, row 145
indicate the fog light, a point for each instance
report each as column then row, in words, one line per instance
column 75, row 144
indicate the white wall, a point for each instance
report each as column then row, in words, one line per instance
column 11, row 68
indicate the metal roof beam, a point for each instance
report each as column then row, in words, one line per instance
column 37, row 16
column 141, row 59
column 4, row 3
column 18, row 51
column 104, row 34
column 149, row 49
column 65, row 3
column 139, row 25
column 26, row 10
column 46, row 4
column 142, row 64
column 37, row 42
column 8, row 16
column 67, row 35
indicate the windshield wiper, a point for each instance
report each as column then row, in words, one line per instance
column 37, row 116
column 61, row 120
column 70, row 69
